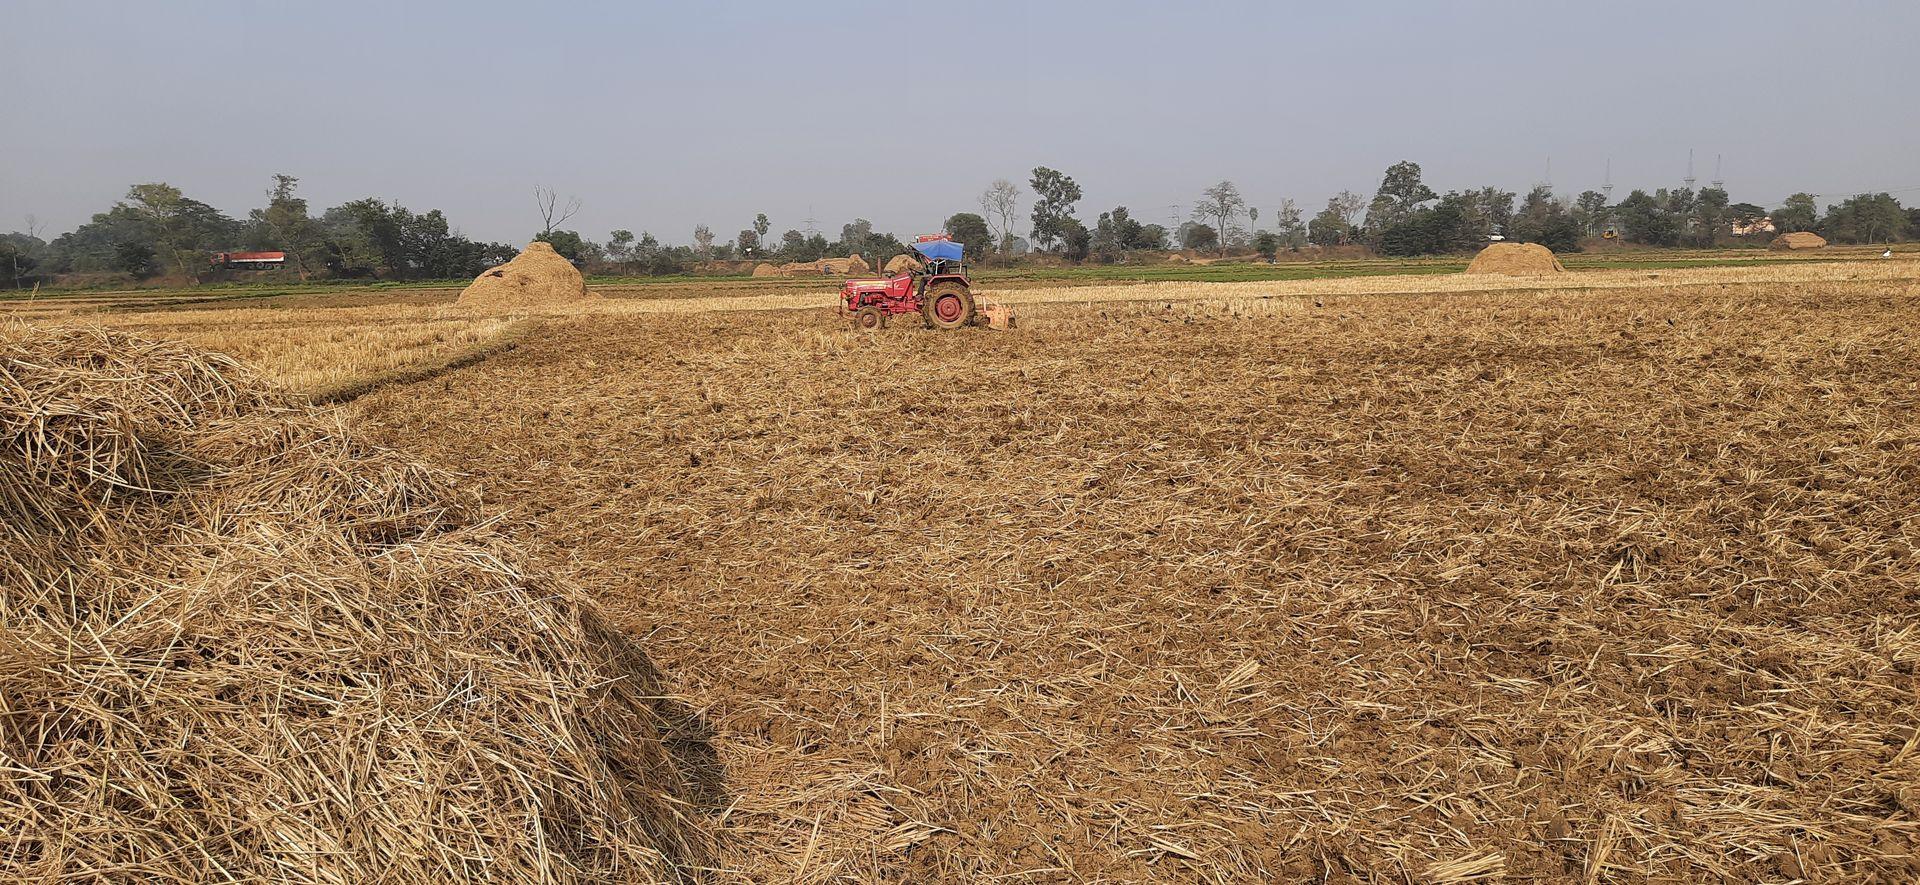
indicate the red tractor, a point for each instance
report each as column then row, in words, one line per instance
column 938, row 290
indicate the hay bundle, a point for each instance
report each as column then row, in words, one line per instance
column 239, row 645
column 901, row 264
column 764, row 269
column 1516, row 260
column 537, row 277
column 1176, row 258
column 1799, row 240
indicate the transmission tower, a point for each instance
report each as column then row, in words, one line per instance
column 1606, row 189
column 1690, row 179
column 811, row 230
column 1717, row 183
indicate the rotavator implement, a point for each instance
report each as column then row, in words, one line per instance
column 935, row 286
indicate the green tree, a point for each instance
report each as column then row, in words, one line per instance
column 703, row 241
column 1798, row 213
column 1709, row 217
column 1647, row 220
column 620, row 245
column 1267, row 244
column 184, row 229
column 761, row 225
column 1590, row 209
column 792, row 244
column 1057, row 193
column 971, row 232
column 747, row 243
column 134, row 257
column 1401, row 192
column 1287, row 223
column 1330, row 228
column 1198, row 236
column 292, row 228
column 1540, row 210
column 18, row 258
column 566, row 242
column 1075, row 240
column 1865, row 218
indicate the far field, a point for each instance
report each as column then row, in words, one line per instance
column 1405, row 576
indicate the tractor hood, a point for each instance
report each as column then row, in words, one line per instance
column 945, row 250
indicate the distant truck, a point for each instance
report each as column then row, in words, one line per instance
column 249, row 260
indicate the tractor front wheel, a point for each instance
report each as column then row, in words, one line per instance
column 948, row 305
column 869, row 317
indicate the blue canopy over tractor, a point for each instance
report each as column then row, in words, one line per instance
column 942, row 250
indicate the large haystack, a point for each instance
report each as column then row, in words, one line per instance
column 1516, row 260
column 764, row 269
column 537, row 277
column 900, row 264
column 1799, row 240
column 241, row 646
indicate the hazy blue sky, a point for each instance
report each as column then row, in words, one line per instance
column 664, row 115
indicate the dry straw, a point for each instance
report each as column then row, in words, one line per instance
column 1556, row 586
column 238, row 645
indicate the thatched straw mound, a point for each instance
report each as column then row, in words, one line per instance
column 1176, row 258
column 537, row 277
column 1516, row 260
column 764, row 269
column 901, row 263
column 1799, row 240
column 239, row 645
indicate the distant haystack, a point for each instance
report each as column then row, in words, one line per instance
column 852, row 265
column 537, row 277
column 1799, row 240
column 900, row 264
column 1516, row 260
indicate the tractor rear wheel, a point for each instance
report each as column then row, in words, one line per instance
column 948, row 305
column 869, row 317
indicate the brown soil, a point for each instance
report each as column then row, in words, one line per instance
column 1799, row 240
column 1516, row 260
column 537, row 277
column 1420, row 588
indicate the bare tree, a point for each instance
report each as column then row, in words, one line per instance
column 703, row 241
column 34, row 226
column 1220, row 204
column 1349, row 205
column 999, row 203
column 551, row 215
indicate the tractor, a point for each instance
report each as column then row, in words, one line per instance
column 936, row 288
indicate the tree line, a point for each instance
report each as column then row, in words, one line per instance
column 156, row 229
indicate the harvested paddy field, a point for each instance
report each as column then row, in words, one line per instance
column 1329, row 586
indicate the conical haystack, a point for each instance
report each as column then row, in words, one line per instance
column 537, row 277
column 241, row 645
column 764, row 269
column 1516, row 260
column 1798, row 240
